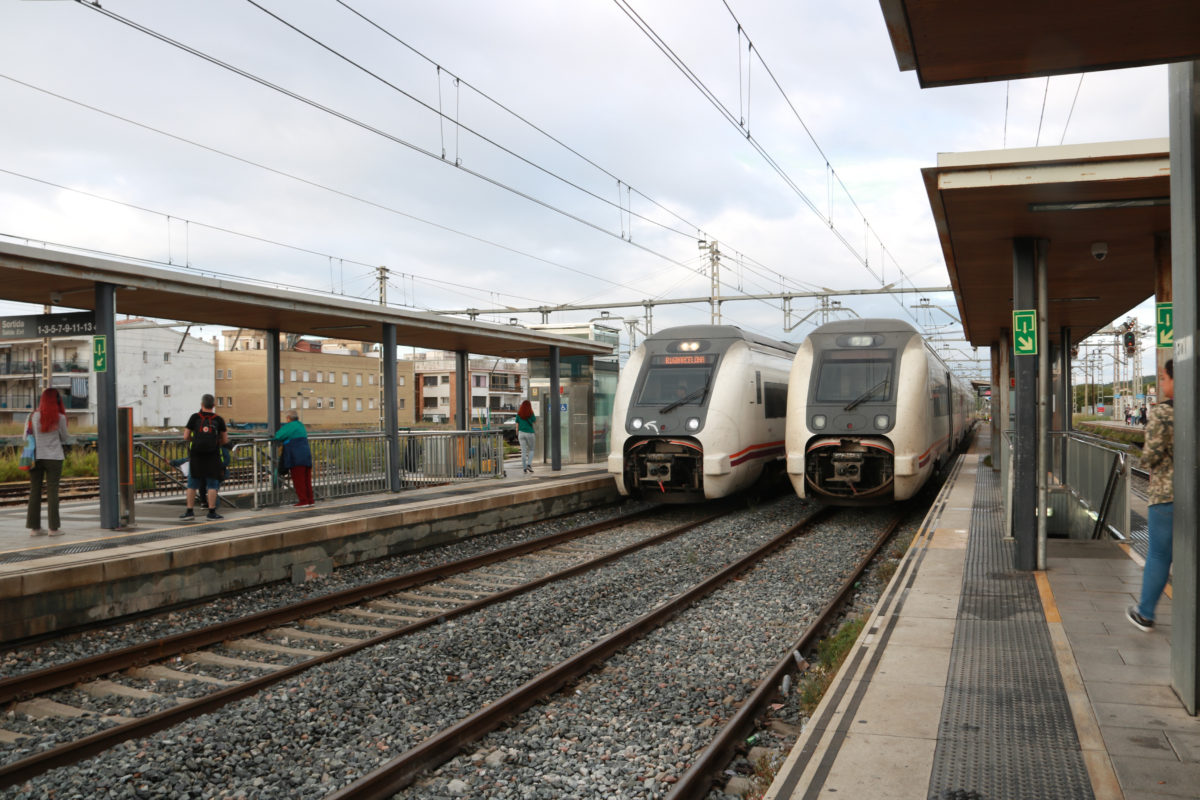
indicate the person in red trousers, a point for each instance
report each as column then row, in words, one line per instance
column 297, row 458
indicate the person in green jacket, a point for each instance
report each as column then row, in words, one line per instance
column 297, row 458
column 525, row 420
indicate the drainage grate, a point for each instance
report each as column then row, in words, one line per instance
column 1006, row 728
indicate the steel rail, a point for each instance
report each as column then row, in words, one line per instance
column 697, row 781
column 20, row 687
column 400, row 772
column 71, row 752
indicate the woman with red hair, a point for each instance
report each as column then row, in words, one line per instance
column 525, row 420
column 49, row 428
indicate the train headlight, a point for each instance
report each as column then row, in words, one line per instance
column 818, row 422
column 881, row 421
column 693, row 424
column 636, row 423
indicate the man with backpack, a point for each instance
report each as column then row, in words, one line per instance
column 205, row 434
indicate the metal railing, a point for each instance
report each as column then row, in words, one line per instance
column 344, row 464
column 1097, row 474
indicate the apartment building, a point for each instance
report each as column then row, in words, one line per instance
column 161, row 374
column 333, row 385
column 496, row 389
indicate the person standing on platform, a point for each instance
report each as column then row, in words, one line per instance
column 525, row 420
column 1158, row 454
column 297, row 458
column 205, row 434
column 49, row 428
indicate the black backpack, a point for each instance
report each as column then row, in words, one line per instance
column 206, row 438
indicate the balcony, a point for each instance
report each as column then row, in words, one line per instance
column 22, row 368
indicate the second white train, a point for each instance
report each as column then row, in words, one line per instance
column 872, row 411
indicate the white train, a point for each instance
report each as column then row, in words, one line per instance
column 872, row 410
column 699, row 413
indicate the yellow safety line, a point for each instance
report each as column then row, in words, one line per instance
column 1103, row 777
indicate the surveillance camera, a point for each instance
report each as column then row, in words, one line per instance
column 1099, row 250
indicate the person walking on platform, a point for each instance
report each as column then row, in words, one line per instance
column 1158, row 454
column 49, row 428
column 205, row 434
column 297, row 458
column 525, row 420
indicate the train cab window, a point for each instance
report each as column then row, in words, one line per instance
column 665, row 385
column 775, row 397
column 846, row 376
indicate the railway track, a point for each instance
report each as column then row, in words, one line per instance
column 280, row 644
column 409, row 716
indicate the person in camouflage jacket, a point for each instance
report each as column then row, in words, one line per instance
column 1158, row 454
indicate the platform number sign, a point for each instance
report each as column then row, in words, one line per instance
column 99, row 354
column 1164, row 319
column 1025, row 333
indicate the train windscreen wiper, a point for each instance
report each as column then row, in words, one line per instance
column 862, row 398
column 687, row 397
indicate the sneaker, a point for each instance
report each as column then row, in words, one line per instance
column 213, row 515
column 56, row 533
column 36, row 532
column 189, row 514
column 1138, row 620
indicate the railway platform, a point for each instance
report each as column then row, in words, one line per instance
column 974, row 680
column 90, row 573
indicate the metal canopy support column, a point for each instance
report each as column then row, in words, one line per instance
column 462, row 390
column 106, row 408
column 1066, row 395
column 391, row 414
column 1184, row 94
column 1024, row 483
column 555, row 413
column 272, row 381
column 1043, row 398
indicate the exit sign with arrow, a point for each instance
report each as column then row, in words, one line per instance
column 1025, row 333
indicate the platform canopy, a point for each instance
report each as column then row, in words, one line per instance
column 1112, row 196
column 40, row 276
column 968, row 41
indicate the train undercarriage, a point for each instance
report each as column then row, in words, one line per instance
column 665, row 470
column 849, row 469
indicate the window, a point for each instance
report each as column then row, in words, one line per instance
column 293, row 378
column 229, row 374
column 331, row 377
column 429, row 380
column 345, row 379
column 228, row 401
column 305, row 404
column 445, row 401
column 320, row 402
column 429, row 402
column 330, row 405
column 306, row 376
column 145, row 357
column 371, row 378
column 479, row 401
column 371, row 404
column 445, row 379
column 281, row 404
column 292, row 403
column 166, row 358
column 400, row 403
column 320, row 377
column 220, row 401
column 145, row 390
column 358, row 379
column 345, row 404
column 166, row 390
column 855, row 376
column 399, row 380
column 281, row 376
column 358, row 404
column 220, row 374
column 480, row 381
column 775, row 400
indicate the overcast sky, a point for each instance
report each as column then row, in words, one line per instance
column 574, row 163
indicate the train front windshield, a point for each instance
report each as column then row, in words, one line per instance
column 856, row 376
column 666, row 385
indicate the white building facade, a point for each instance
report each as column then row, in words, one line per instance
column 162, row 373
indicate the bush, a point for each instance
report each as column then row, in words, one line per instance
column 81, row 464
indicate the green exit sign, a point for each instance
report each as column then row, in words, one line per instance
column 1164, row 325
column 99, row 354
column 1025, row 332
